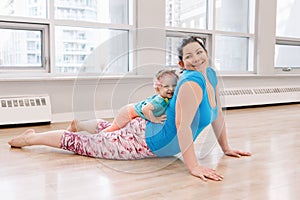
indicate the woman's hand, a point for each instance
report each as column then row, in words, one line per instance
column 205, row 173
column 236, row 153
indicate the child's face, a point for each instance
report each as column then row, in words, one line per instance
column 167, row 87
column 194, row 57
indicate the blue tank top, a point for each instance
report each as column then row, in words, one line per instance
column 162, row 138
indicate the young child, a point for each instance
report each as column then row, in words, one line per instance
column 152, row 109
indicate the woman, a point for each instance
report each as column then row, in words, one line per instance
column 194, row 105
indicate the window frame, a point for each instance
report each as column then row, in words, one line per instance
column 48, row 39
column 211, row 32
column 288, row 42
column 45, row 53
column 251, row 53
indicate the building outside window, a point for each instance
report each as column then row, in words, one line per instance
column 79, row 31
column 227, row 26
column 88, row 26
column 20, row 48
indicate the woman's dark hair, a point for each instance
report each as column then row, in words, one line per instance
column 188, row 40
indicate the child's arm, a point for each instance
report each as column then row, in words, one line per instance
column 147, row 111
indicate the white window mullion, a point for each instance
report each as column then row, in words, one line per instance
column 51, row 38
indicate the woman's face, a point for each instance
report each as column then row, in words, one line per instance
column 194, row 57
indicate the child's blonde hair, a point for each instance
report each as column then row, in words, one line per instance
column 161, row 74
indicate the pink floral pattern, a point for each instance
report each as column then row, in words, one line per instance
column 125, row 144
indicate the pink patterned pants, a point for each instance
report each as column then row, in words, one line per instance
column 127, row 143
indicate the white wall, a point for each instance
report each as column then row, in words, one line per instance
column 70, row 96
column 96, row 98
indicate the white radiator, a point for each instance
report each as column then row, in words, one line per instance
column 25, row 109
column 235, row 97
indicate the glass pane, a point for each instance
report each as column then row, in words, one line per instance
column 172, row 54
column 186, row 13
column 28, row 8
column 91, row 50
column 20, row 48
column 287, row 56
column 232, row 15
column 287, row 21
column 231, row 54
column 104, row 11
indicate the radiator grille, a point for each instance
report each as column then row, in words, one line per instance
column 25, row 109
column 253, row 91
column 259, row 96
column 23, row 102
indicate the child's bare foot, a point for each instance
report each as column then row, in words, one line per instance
column 73, row 126
column 21, row 140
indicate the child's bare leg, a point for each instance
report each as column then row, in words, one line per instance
column 29, row 137
column 121, row 120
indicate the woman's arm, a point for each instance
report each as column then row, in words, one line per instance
column 188, row 100
column 219, row 128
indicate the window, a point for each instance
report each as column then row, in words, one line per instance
column 232, row 54
column 74, row 45
column 230, row 34
column 232, row 15
column 88, row 36
column 287, row 49
column 186, row 13
column 21, row 8
column 172, row 54
column 104, row 11
column 23, row 46
column 287, row 56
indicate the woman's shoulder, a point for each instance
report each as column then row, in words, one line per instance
column 194, row 76
column 211, row 71
column 191, row 74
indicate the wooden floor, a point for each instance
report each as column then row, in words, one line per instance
column 272, row 134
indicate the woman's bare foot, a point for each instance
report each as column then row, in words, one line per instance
column 21, row 140
column 73, row 126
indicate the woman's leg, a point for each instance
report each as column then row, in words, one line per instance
column 125, row 144
column 30, row 137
